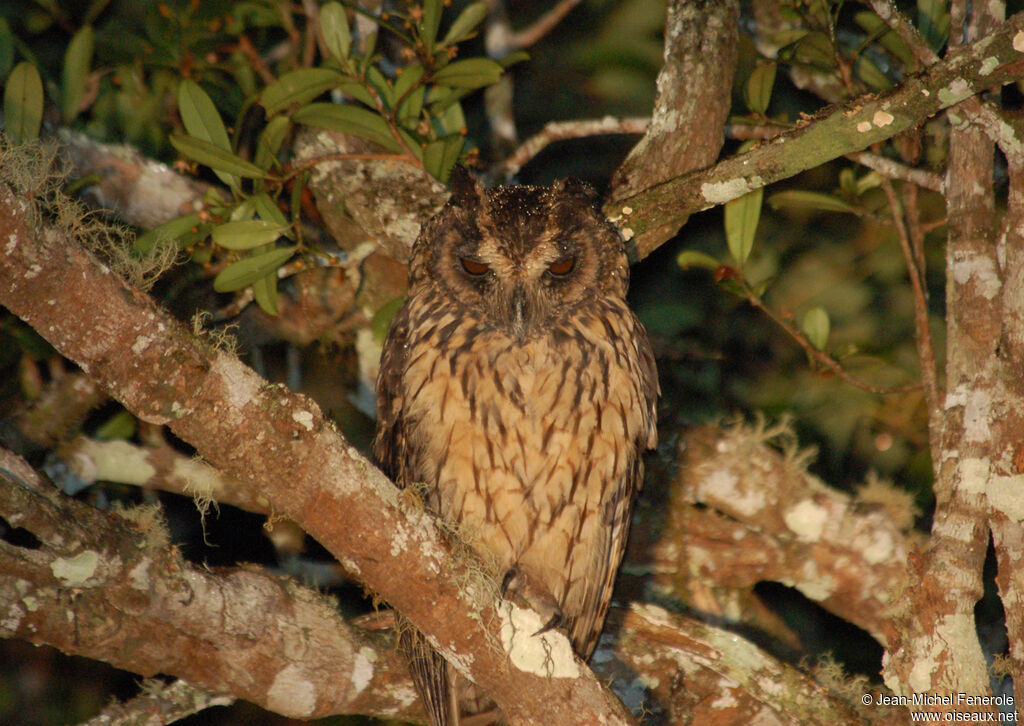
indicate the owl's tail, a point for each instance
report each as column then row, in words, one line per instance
column 432, row 676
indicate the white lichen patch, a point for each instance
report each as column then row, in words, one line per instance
column 878, row 547
column 974, row 475
column 74, row 571
column 141, row 343
column 545, row 654
column 724, row 191
column 882, row 118
column 977, row 411
column 292, row 693
column 988, row 65
column 863, row 127
column 723, row 485
column 139, row 575
column 1018, row 41
column 1004, row 494
column 241, row 384
column 957, row 90
column 119, row 461
column 979, row 269
column 806, row 520
column 12, row 619
column 303, row 419
column 362, row 669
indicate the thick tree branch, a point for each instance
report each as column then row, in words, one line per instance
column 657, row 212
column 279, row 444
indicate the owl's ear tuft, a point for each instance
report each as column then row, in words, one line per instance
column 576, row 188
column 466, row 191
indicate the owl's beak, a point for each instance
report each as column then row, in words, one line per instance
column 518, row 310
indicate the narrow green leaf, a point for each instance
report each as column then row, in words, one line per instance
column 121, row 425
column 452, row 121
column 298, row 87
column 268, row 210
column 869, row 181
column 77, row 64
column 800, row 199
column 381, row 321
column 369, row 44
column 439, row 157
column 347, row 119
column 95, row 8
column 377, row 80
column 245, row 272
column 411, row 107
column 933, row 22
column 465, row 25
column 408, row 78
column 430, row 22
column 334, row 28
column 265, row 292
column 868, row 72
column 816, row 327
column 246, row 234
column 886, row 37
column 172, row 229
column 691, row 258
column 23, row 103
column 200, row 116
column 758, row 91
column 270, row 141
column 215, row 157
column 6, row 48
column 357, row 91
column 440, row 98
column 741, row 218
column 816, row 50
column 516, row 56
column 469, row 73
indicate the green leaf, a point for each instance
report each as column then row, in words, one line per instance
column 119, row 426
column 800, row 199
column 245, row 272
column 381, row 321
column 408, row 78
column 23, row 103
column 357, row 91
column 298, row 87
column 411, row 107
column 516, row 56
column 270, row 141
column 886, row 37
column 816, row 49
column 933, row 22
column 871, row 180
column 247, row 234
column 6, row 48
column 868, row 72
column 266, row 209
column 440, row 98
column 215, row 157
column 452, row 121
column 691, row 258
column 334, row 28
column 77, row 64
column 380, row 83
column 265, row 292
column 469, row 73
column 200, row 116
column 816, row 327
column 758, row 91
column 430, row 22
column 95, row 8
column 348, row 119
column 173, row 229
column 741, row 218
column 464, row 26
column 439, row 157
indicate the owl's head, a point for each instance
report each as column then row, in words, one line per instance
column 520, row 257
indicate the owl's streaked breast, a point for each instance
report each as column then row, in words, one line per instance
column 522, row 443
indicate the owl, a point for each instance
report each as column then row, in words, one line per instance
column 519, row 389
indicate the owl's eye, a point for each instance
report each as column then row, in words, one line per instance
column 474, row 267
column 562, row 267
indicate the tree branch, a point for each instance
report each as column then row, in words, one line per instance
column 279, row 444
column 659, row 211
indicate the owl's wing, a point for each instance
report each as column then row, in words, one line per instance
column 390, row 445
column 585, row 631
column 430, row 672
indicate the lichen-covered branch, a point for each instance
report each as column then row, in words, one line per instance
column 279, row 444
column 658, row 212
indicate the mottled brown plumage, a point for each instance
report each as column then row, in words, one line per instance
column 520, row 389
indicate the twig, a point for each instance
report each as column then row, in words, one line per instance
column 559, row 130
column 923, row 336
column 824, row 358
column 159, row 704
column 894, row 170
column 891, row 16
column 544, row 24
